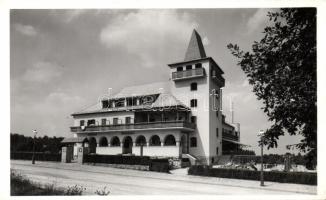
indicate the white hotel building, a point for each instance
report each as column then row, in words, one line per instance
column 177, row 118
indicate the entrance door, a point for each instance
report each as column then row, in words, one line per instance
column 127, row 145
column 184, row 144
column 92, row 145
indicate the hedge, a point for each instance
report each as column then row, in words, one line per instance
column 159, row 165
column 40, row 156
column 274, row 176
column 117, row 159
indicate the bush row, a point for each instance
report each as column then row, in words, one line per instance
column 274, row 176
column 117, row 159
column 40, row 156
column 159, row 165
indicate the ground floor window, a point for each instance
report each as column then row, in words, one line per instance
column 169, row 141
column 155, row 141
column 140, row 140
column 115, row 142
column 193, row 142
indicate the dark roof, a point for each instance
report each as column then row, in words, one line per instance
column 195, row 47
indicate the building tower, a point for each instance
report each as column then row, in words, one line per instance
column 197, row 82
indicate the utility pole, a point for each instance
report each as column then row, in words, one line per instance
column 33, row 156
column 261, row 135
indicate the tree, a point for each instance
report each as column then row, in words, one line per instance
column 282, row 70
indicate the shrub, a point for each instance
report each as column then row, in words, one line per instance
column 75, row 190
column 274, row 176
column 102, row 192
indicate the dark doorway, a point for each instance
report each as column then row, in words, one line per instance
column 92, row 145
column 184, row 144
column 127, row 145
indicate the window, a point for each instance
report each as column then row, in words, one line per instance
column 179, row 69
column 115, row 121
column 103, row 122
column 193, row 142
column 82, row 123
column 188, row 67
column 115, row 141
column 216, row 132
column 105, row 104
column 216, row 150
column 91, row 122
column 213, row 73
column 193, row 86
column 198, row 65
column 169, row 141
column 193, row 103
column 193, row 119
column 155, row 141
column 128, row 120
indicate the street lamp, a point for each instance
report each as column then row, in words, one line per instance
column 261, row 143
column 33, row 156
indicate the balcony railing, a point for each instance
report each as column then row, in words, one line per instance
column 136, row 126
column 230, row 136
column 190, row 73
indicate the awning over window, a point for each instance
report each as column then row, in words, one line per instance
column 236, row 142
column 74, row 140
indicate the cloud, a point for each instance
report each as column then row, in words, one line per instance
column 25, row 29
column 73, row 14
column 148, row 33
column 259, row 18
column 42, row 72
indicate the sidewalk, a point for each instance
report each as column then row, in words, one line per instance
column 178, row 175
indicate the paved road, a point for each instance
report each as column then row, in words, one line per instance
column 133, row 182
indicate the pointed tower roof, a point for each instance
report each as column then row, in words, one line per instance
column 195, row 48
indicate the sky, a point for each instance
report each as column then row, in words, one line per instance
column 62, row 61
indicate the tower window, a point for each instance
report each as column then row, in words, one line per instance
column 193, row 119
column 193, row 103
column 193, row 142
column 216, row 150
column 179, row 69
column 193, row 86
column 198, row 65
column 188, row 67
column 216, row 132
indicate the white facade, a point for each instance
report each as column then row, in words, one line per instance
column 185, row 114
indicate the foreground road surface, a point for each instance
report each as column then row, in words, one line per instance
column 133, row 182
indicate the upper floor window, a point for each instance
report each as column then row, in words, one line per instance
column 198, row 65
column 91, row 122
column 193, row 103
column 115, row 120
column 216, row 132
column 193, row 142
column 193, row 86
column 188, row 67
column 105, row 104
column 179, row 69
column 82, row 123
column 193, row 119
column 128, row 120
column 103, row 122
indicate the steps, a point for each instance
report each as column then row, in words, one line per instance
column 193, row 160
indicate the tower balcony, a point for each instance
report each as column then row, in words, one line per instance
column 181, row 125
column 187, row 74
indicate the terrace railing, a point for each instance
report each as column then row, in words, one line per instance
column 136, row 126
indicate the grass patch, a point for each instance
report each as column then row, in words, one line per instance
column 21, row 186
